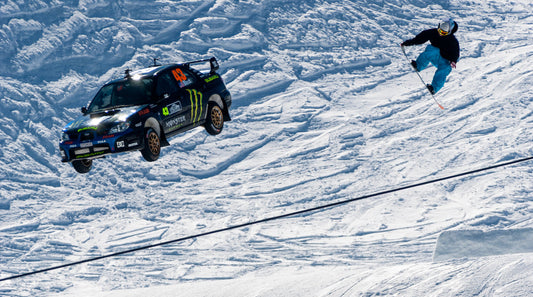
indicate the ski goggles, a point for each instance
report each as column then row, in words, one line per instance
column 442, row 32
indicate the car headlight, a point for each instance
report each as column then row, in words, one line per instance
column 119, row 128
column 64, row 137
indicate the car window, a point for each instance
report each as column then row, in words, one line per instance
column 102, row 100
column 184, row 77
column 166, row 85
column 125, row 93
column 133, row 92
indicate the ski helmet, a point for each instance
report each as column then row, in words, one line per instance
column 446, row 27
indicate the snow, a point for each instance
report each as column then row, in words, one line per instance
column 476, row 243
column 325, row 109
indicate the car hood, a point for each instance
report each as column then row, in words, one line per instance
column 96, row 121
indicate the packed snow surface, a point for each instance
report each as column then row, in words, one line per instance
column 325, row 109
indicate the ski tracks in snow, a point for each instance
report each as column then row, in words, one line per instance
column 324, row 109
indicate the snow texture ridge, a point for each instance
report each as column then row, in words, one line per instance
column 324, row 109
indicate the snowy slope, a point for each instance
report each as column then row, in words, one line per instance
column 325, row 109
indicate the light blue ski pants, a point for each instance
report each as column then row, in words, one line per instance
column 432, row 55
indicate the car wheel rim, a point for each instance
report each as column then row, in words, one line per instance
column 216, row 117
column 153, row 143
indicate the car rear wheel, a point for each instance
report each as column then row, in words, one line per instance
column 214, row 122
column 82, row 166
column 152, row 146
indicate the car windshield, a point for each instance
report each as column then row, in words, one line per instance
column 129, row 92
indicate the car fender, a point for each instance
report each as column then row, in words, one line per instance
column 154, row 124
column 216, row 98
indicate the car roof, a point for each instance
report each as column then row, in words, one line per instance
column 153, row 71
column 145, row 72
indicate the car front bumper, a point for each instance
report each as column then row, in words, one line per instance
column 100, row 146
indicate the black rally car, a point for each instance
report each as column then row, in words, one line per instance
column 143, row 110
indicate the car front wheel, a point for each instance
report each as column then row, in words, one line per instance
column 152, row 146
column 82, row 166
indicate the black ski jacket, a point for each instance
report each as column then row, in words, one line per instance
column 448, row 45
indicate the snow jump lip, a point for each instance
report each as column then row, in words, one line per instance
column 458, row 244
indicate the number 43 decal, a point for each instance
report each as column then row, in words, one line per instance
column 178, row 75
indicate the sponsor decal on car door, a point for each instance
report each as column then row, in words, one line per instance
column 173, row 118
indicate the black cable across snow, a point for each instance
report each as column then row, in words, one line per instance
column 291, row 214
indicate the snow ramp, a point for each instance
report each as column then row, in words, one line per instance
column 476, row 243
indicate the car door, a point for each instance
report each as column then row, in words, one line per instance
column 194, row 103
column 171, row 101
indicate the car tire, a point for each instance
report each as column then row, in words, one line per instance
column 214, row 123
column 152, row 145
column 82, row 166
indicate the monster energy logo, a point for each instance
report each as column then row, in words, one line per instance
column 195, row 115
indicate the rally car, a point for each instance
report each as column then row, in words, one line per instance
column 143, row 110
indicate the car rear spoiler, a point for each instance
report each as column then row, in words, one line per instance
column 212, row 62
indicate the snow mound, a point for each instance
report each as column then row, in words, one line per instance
column 476, row 243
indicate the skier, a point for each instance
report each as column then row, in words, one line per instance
column 443, row 52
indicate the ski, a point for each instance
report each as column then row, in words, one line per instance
column 421, row 79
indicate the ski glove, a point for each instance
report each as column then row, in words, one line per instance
column 453, row 64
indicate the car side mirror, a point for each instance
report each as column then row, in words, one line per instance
column 84, row 110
